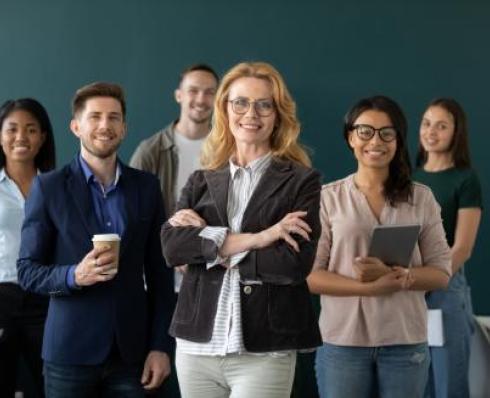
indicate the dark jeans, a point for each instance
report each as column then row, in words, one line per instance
column 22, row 317
column 112, row 379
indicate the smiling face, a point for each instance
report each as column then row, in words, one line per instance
column 250, row 128
column 21, row 137
column 196, row 95
column 436, row 130
column 373, row 153
column 100, row 126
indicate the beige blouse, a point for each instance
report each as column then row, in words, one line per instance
column 347, row 222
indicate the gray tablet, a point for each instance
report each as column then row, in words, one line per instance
column 394, row 244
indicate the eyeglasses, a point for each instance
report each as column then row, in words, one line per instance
column 365, row 132
column 264, row 107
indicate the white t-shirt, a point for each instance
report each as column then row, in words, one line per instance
column 189, row 160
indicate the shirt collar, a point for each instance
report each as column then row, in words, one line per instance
column 89, row 175
column 3, row 174
column 255, row 166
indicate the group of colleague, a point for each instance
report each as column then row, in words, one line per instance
column 241, row 215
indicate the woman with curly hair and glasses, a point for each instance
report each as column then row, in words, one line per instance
column 445, row 166
column 27, row 143
column 247, row 225
column 373, row 316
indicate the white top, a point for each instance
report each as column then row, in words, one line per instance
column 227, row 335
column 11, row 218
column 189, row 161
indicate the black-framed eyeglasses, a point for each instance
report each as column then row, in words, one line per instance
column 263, row 107
column 365, row 132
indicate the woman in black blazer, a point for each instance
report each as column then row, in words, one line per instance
column 247, row 225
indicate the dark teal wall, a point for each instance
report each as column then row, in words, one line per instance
column 331, row 53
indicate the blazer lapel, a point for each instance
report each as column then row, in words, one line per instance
column 131, row 205
column 218, row 183
column 274, row 177
column 80, row 193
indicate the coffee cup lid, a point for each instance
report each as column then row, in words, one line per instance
column 105, row 237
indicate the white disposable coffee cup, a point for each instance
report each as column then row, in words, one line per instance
column 109, row 240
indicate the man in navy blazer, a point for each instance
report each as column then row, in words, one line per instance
column 106, row 332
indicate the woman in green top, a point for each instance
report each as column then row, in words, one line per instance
column 444, row 165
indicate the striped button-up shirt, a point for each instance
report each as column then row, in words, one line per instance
column 227, row 335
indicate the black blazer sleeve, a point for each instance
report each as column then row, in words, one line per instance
column 279, row 263
column 183, row 245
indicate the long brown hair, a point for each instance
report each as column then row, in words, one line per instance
column 459, row 147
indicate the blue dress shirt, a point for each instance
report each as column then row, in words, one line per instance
column 108, row 203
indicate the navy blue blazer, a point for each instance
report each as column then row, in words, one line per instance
column 134, row 309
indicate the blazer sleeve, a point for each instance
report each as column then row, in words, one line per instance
column 35, row 271
column 279, row 263
column 183, row 245
column 159, row 280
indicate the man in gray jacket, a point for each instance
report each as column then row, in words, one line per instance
column 172, row 154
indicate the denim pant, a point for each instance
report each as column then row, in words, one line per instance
column 398, row 371
column 448, row 376
column 112, row 379
column 235, row 375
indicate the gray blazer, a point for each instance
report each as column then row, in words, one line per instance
column 277, row 314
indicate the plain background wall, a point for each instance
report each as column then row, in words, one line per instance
column 330, row 52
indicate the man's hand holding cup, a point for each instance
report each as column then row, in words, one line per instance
column 101, row 263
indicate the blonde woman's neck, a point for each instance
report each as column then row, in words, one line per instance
column 246, row 153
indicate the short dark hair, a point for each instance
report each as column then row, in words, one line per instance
column 45, row 159
column 398, row 187
column 198, row 67
column 97, row 89
column 459, row 148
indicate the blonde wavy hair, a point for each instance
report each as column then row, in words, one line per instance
column 220, row 143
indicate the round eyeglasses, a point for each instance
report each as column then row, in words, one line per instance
column 365, row 132
column 263, row 107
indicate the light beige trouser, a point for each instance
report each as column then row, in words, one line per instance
column 235, row 376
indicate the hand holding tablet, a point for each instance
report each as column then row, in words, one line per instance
column 394, row 244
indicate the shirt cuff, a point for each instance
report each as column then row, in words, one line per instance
column 237, row 258
column 217, row 235
column 70, row 279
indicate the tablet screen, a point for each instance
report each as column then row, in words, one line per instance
column 394, row 244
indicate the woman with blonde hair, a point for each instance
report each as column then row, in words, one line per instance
column 247, row 225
